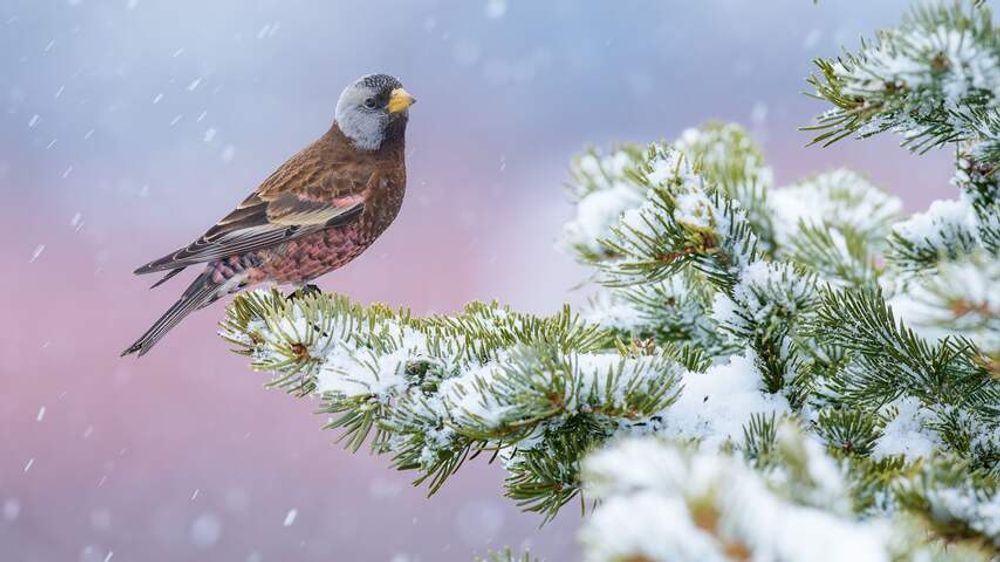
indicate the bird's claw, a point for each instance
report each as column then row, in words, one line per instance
column 303, row 291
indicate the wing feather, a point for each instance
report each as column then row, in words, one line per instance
column 323, row 185
column 270, row 223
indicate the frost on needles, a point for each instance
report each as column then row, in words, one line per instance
column 764, row 372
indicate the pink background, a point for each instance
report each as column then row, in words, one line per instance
column 182, row 455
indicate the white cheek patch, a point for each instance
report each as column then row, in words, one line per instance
column 363, row 129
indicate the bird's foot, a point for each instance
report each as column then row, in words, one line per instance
column 303, row 291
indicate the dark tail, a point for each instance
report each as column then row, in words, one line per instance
column 200, row 293
column 167, row 277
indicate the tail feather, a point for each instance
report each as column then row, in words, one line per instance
column 166, row 277
column 200, row 293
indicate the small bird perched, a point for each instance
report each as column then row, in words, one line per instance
column 317, row 212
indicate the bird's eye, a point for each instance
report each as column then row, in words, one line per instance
column 370, row 103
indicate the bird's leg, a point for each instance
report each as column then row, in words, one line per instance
column 305, row 290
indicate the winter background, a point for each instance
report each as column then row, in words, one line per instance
column 128, row 126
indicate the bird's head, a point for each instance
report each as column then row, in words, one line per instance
column 372, row 110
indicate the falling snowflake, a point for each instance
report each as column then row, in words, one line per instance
column 496, row 9
column 37, row 253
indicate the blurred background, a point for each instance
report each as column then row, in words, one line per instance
column 128, row 126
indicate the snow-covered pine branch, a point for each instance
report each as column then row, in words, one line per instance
column 432, row 392
column 665, row 501
column 697, row 336
column 933, row 79
column 764, row 372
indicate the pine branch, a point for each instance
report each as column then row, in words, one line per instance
column 684, row 222
column 957, row 503
column 433, row 392
column 890, row 362
column 676, row 311
column 934, row 79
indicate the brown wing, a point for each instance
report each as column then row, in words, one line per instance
column 308, row 193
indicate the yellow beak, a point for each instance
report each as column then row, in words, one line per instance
column 399, row 100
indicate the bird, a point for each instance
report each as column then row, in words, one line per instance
column 317, row 212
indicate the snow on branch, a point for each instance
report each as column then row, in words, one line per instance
column 431, row 392
column 935, row 79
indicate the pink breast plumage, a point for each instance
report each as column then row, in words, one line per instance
column 302, row 260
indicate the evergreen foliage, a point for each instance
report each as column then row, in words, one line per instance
column 767, row 373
